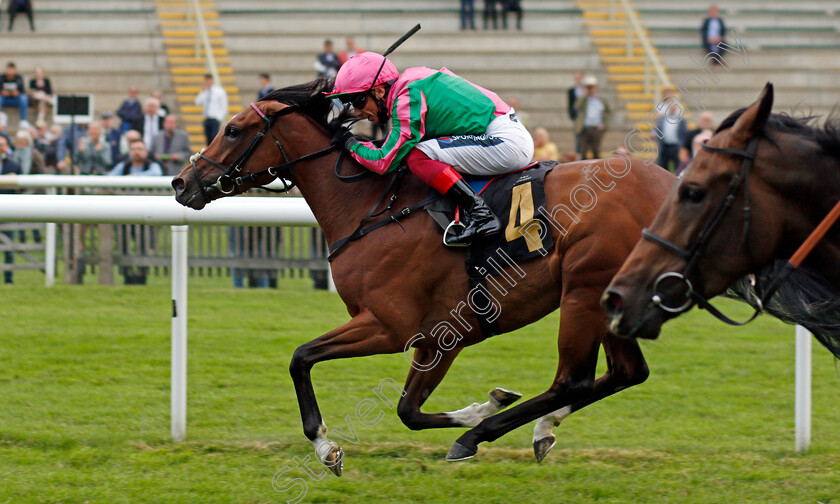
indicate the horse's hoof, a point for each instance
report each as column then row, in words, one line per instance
column 504, row 397
column 460, row 452
column 543, row 446
column 335, row 460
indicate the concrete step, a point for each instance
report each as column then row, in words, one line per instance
column 378, row 23
column 91, row 24
column 332, row 5
column 527, row 43
column 72, row 44
column 680, row 59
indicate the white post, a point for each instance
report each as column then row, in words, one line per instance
column 50, row 244
column 330, row 281
column 179, row 332
column 803, row 389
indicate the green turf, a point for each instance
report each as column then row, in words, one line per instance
column 84, row 409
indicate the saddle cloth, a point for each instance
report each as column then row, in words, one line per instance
column 514, row 198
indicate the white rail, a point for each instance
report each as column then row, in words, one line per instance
column 161, row 210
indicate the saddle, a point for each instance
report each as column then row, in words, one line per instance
column 515, row 199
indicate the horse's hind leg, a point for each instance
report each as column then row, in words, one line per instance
column 626, row 367
column 363, row 335
column 582, row 328
column 421, row 382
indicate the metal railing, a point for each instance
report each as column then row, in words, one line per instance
column 655, row 78
column 202, row 39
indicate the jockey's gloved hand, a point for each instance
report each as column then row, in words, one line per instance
column 344, row 137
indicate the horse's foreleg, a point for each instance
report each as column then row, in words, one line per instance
column 582, row 328
column 363, row 335
column 419, row 386
column 626, row 367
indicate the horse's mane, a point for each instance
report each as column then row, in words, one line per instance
column 827, row 135
column 805, row 298
column 311, row 100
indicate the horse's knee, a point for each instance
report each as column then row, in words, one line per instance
column 300, row 362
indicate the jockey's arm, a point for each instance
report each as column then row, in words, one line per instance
column 408, row 116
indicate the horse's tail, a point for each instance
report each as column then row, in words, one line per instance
column 805, row 298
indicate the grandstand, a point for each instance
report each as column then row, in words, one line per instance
column 103, row 46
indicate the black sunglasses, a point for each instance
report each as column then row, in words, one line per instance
column 357, row 101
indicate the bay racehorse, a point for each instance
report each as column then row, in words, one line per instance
column 399, row 281
column 763, row 189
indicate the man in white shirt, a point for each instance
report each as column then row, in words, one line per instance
column 214, row 101
column 151, row 121
column 593, row 117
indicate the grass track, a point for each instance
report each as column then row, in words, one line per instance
column 84, row 409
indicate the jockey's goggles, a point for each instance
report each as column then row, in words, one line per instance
column 357, row 100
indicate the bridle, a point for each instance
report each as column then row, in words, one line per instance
column 232, row 178
column 694, row 253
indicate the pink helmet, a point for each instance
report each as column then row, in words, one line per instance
column 356, row 74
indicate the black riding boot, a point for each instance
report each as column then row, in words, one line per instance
column 476, row 216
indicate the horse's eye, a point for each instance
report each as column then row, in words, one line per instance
column 232, row 132
column 692, row 194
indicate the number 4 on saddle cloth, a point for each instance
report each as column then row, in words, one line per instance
column 515, row 199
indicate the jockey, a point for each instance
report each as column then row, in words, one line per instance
column 441, row 124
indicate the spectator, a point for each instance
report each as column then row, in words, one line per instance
column 41, row 94
column 138, row 162
column 713, row 31
column 7, row 166
column 16, row 6
column 30, row 160
column 327, row 63
column 544, row 149
column 112, row 135
column 214, row 101
column 171, row 146
column 350, row 51
column 163, row 111
column 490, row 12
column 151, row 121
column 67, row 145
column 93, row 155
column 467, row 15
column 706, row 121
column 130, row 112
column 265, row 86
column 4, row 121
column 673, row 128
column 45, row 143
column 593, row 117
column 512, row 6
column 128, row 137
column 13, row 93
column 574, row 93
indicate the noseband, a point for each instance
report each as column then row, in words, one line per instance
column 694, row 253
column 231, row 178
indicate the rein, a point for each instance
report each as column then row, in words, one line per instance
column 232, row 178
column 693, row 255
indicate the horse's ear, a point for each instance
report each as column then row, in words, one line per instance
column 270, row 108
column 755, row 117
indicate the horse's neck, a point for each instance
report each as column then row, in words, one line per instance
column 809, row 184
column 338, row 206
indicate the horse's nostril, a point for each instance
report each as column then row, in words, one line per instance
column 613, row 303
column 178, row 184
